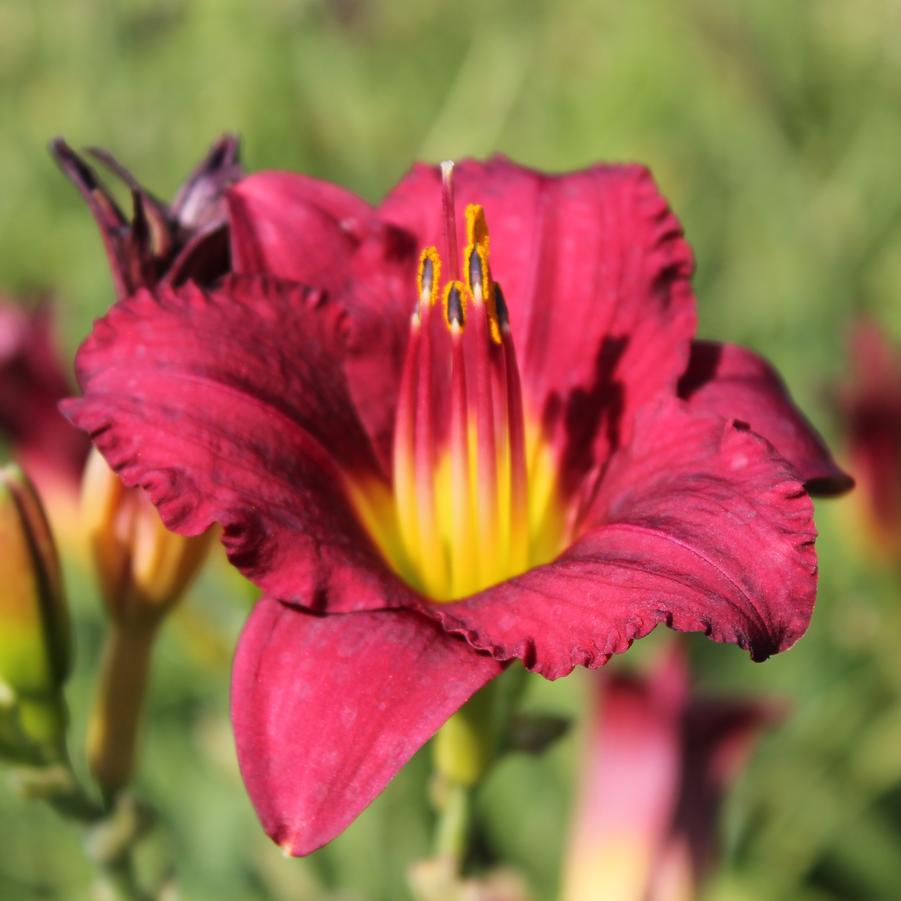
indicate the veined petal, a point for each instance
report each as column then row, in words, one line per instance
column 232, row 407
column 596, row 275
column 699, row 524
column 316, row 233
column 294, row 227
column 327, row 709
column 736, row 383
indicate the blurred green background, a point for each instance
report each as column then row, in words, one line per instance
column 774, row 130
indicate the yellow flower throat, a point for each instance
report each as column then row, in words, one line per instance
column 474, row 497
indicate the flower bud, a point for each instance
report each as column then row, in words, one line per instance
column 143, row 568
column 35, row 642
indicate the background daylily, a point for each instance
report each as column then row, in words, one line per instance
column 869, row 405
column 663, row 481
column 657, row 761
column 32, row 383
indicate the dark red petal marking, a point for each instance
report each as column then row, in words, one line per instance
column 327, row 709
column 699, row 525
column 736, row 383
column 232, row 407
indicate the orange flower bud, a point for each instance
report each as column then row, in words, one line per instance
column 143, row 568
column 35, row 643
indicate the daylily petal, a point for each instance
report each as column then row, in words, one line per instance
column 700, row 524
column 327, row 709
column 231, row 407
column 294, row 227
column 736, row 383
column 318, row 234
column 595, row 272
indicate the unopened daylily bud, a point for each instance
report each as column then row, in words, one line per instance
column 35, row 649
column 143, row 568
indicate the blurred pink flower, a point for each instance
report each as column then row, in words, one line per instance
column 870, row 409
column 32, row 383
column 658, row 761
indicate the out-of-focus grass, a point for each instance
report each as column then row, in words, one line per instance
column 773, row 129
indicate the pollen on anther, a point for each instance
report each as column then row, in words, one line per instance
column 500, row 307
column 428, row 276
column 477, row 226
column 476, row 273
column 454, row 304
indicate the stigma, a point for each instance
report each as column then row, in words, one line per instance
column 460, row 481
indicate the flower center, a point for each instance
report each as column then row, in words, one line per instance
column 474, row 489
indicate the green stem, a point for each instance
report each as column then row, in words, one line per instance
column 119, row 704
column 118, row 882
column 58, row 786
column 452, row 828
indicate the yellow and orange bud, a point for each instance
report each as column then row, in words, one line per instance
column 143, row 570
column 142, row 567
column 35, row 640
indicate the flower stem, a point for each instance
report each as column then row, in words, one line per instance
column 119, row 703
column 452, row 828
column 57, row 785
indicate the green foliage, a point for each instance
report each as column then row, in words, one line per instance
column 773, row 129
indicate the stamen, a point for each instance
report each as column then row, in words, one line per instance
column 482, row 426
column 519, row 477
column 500, row 306
column 464, row 570
column 404, row 443
column 480, row 286
column 428, row 276
column 477, row 227
column 431, row 552
column 476, row 275
column 454, row 304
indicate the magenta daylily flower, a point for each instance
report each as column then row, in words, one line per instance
column 657, row 765
column 509, row 474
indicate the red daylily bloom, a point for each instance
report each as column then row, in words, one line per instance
column 870, row 408
column 32, row 383
column 510, row 474
column 164, row 244
column 658, row 762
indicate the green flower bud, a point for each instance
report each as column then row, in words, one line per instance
column 35, row 638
